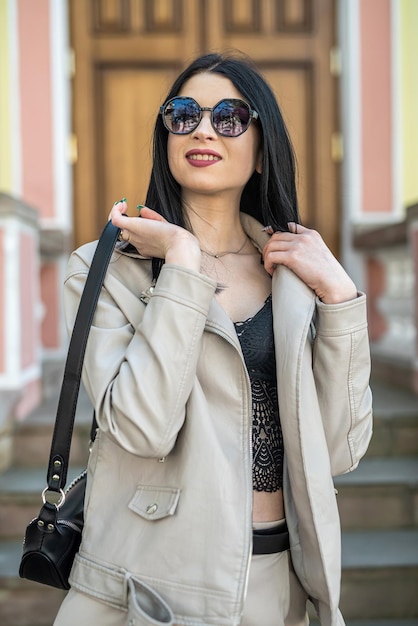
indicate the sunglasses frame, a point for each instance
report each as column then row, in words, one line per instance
column 253, row 115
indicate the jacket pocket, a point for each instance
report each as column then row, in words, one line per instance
column 154, row 503
column 146, row 607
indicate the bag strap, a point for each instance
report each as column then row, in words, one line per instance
column 64, row 421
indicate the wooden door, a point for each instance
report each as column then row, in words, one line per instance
column 128, row 52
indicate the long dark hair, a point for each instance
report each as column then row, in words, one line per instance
column 271, row 196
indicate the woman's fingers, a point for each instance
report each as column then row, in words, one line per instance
column 279, row 250
column 153, row 236
column 297, row 229
column 119, row 209
column 304, row 252
column 151, row 214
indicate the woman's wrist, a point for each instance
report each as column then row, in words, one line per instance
column 184, row 251
column 341, row 293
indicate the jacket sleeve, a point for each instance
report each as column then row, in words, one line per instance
column 139, row 375
column 341, row 365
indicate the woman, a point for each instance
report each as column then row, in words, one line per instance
column 228, row 364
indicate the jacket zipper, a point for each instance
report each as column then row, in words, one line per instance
column 250, row 448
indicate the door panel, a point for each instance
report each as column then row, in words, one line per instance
column 146, row 42
column 129, row 51
column 130, row 100
column 290, row 42
column 293, row 92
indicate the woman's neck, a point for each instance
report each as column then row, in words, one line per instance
column 217, row 226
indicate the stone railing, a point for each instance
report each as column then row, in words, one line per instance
column 391, row 262
column 20, row 367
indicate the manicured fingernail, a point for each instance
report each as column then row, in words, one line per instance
column 266, row 228
column 119, row 201
column 139, row 207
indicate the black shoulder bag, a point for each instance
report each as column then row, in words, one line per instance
column 53, row 538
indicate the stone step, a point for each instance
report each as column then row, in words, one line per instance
column 395, row 413
column 20, row 498
column 32, row 440
column 380, row 575
column 380, row 548
column 382, row 493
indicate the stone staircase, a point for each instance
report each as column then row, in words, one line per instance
column 22, row 602
column 378, row 505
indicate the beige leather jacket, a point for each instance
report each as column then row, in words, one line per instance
column 169, row 498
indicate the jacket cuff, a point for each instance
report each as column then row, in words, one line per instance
column 341, row 318
column 185, row 286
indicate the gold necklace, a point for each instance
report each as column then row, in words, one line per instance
column 221, row 254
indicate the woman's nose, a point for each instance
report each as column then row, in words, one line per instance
column 205, row 126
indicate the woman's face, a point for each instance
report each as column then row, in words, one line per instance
column 204, row 162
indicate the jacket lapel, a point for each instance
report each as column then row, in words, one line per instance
column 312, row 517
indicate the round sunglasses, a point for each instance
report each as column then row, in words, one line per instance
column 230, row 117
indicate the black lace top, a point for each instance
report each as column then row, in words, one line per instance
column 256, row 338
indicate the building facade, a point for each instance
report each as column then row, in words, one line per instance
column 374, row 145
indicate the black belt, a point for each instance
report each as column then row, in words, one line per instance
column 271, row 540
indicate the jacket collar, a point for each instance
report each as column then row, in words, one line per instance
column 293, row 301
column 255, row 231
column 290, row 294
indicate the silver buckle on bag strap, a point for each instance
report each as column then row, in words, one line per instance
column 57, row 503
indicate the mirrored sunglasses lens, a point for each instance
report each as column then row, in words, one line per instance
column 231, row 117
column 182, row 115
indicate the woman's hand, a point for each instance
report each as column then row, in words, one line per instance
column 153, row 236
column 304, row 252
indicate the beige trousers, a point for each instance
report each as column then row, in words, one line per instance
column 268, row 594
column 275, row 596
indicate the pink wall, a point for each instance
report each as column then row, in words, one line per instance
column 28, row 300
column 25, row 326
column 376, row 66
column 50, row 322
column 31, row 397
column 36, row 104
